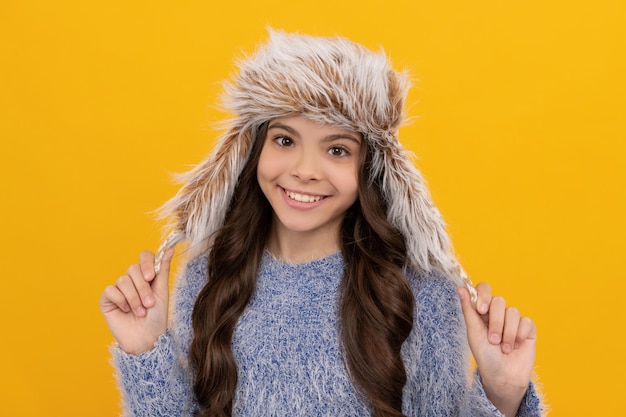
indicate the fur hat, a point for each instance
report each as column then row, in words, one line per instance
column 328, row 80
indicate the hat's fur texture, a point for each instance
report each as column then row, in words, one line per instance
column 332, row 81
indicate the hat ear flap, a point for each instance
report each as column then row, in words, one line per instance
column 199, row 208
column 413, row 212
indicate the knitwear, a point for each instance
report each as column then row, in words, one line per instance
column 287, row 349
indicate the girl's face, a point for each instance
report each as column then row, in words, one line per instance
column 309, row 173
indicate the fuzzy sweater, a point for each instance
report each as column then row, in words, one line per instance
column 287, row 350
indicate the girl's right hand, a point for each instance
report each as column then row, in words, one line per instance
column 136, row 306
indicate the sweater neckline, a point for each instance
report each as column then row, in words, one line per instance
column 324, row 260
column 316, row 276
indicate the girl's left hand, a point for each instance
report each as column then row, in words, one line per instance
column 503, row 345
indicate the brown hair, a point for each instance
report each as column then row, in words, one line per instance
column 377, row 305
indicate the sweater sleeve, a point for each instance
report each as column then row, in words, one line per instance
column 529, row 407
column 436, row 356
column 159, row 382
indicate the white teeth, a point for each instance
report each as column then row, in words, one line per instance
column 303, row 198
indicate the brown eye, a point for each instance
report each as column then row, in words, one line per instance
column 284, row 141
column 338, row 151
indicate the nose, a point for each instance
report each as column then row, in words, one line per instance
column 306, row 166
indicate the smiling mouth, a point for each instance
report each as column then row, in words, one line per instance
column 303, row 198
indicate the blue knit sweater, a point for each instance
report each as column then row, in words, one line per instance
column 286, row 347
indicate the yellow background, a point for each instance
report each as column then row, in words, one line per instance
column 521, row 134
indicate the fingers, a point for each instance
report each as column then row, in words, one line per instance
column 484, row 297
column 158, row 281
column 136, row 290
column 473, row 320
column 511, row 326
column 526, row 331
column 122, row 296
column 146, row 263
column 504, row 325
column 497, row 310
column 133, row 291
column 161, row 283
column 112, row 298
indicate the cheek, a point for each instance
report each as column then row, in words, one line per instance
column 264, row 166
column 269, row 168
column 348, row 180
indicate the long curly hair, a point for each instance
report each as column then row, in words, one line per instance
column 377, row 302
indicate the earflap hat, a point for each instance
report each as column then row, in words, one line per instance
column 332, row 81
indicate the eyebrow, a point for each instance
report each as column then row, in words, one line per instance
column 328, row 138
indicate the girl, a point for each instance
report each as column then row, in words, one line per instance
column 320, row 278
